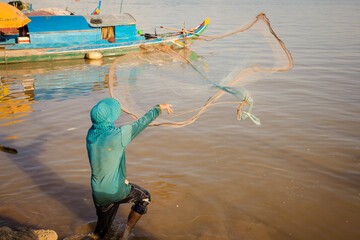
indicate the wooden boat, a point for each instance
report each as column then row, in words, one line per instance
column 48, row 38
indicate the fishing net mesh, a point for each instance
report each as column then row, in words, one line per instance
column 193, row 84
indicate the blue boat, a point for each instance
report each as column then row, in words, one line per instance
column 49, row 38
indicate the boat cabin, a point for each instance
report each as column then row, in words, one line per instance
column 73, row 30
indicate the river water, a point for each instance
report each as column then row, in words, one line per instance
column 297, row 176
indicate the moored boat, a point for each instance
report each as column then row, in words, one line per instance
column 48, row 38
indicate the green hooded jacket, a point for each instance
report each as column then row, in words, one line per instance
column 106, row 150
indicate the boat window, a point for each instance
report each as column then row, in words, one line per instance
column 108, row 33
column 24, row 31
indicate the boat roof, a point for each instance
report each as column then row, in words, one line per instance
column 76, row 22
column 57, row 23
column 110, row 20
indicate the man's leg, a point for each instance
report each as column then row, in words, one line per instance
column 141, row 198
column 132, row 220
column 106, row 216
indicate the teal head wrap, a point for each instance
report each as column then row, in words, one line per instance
column 103, row 115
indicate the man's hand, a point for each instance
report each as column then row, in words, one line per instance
column 166, row 107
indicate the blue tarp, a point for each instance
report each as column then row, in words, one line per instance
column 57, row 23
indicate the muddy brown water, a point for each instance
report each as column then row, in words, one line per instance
column 295, row 177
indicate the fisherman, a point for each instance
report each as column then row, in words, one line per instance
column 106, row 151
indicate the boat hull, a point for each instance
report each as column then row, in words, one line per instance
column 76, row 52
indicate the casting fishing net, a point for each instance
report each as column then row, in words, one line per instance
column 194, row 84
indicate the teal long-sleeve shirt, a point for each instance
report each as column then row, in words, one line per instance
column 108, row 163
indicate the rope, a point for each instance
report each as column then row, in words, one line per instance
column 121, row 6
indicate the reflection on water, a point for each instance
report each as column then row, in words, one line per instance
column 295, row 177
column 15, row 104
column 24, row 84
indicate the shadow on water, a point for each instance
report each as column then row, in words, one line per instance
column 74, row 197
column 70, row 195
column 6, row 221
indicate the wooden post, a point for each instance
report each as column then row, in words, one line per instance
column 4, row 55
